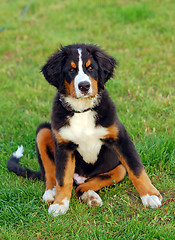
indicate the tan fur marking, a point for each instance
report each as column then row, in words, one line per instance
column 112, row 132
column 94, row 84
column 65, row 191
column 59, row 138
column 70, row 90
column 88, row 63
column 96, row 183
column 73, row 64
column 142, row 183
column 44, row 139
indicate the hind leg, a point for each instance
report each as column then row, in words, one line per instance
column 45, row 150
column 86, row 191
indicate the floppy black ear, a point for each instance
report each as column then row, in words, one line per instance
column 52, row 70
column 106, row 65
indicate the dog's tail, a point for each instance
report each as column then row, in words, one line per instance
column 13, row 166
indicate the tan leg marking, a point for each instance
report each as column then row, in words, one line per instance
column 94, row 84
column 63, row 193
column 142, row 182
column 100, row 181
column 44, row 139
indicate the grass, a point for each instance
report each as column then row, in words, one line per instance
column 141, row 35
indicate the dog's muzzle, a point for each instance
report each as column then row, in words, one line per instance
column 84, row 87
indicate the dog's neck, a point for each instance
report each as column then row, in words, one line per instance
column 80, row 105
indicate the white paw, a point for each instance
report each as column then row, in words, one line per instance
column 57, row 209
column 153, row 201
column 92, row 198
column 49, row 195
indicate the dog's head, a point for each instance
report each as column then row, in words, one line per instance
column 79, row 70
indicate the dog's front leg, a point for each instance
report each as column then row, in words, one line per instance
column 129, row 157
column 65, row 167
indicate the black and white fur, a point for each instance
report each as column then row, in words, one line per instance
column 85, row 141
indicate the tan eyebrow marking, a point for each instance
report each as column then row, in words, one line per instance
column 88, row 63
column 73, row 64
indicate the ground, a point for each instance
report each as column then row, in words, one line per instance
column 141, row 36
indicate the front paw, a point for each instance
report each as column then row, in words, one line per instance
column 151, row 200
column 57, row 209
column 49, row 195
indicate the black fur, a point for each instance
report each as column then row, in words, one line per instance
column 43, row 125
column 105, row 110
column 52, row 71
column 13, row 166
column 107, row 160
column 50, row 153
column 62, row 151
column 126, row 147
column 42, row 171
column 105, row 62
column 59, row 113
column 103, row 176
column 55, row 71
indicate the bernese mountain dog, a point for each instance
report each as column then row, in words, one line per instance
column 85, row 144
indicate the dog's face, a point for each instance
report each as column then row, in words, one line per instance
column 79, row 70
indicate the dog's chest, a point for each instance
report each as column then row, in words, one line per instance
column 82, row 131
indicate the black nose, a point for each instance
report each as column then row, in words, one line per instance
column 84, row 86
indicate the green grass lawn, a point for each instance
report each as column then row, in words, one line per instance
column 141, row 36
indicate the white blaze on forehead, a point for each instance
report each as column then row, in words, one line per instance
column 80, row 63
column 81, row 76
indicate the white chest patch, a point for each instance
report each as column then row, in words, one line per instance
column 82, row 131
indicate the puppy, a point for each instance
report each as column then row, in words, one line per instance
column 85, row 142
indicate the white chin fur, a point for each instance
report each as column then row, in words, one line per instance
column 19, row 152
column 80, row 104
column 56, row 209
column 153, row 201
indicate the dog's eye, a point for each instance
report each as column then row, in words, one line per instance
column 72, row 70
column 90, row 68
